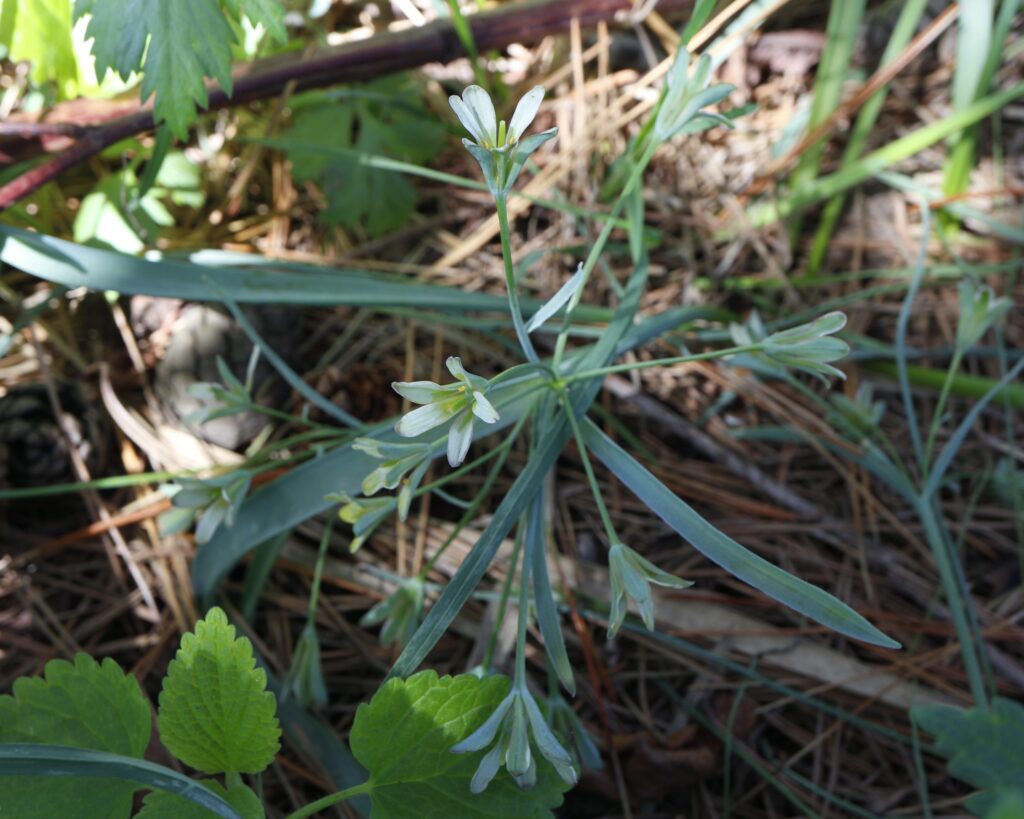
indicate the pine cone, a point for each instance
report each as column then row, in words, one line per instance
column 33, row 452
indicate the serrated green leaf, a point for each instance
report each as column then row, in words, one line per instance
column 178, row 45
column 191, row 41
column 164, row 805
column 87, row 705
column 118, row 34
column 404, row 737
column 386, row 118
column 791, row 591
column 215, row 712
column 268, row 13
column 985, row 747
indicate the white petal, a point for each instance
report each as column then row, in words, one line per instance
column 484, row 409
column 419, row 392
column 525, row 112
column 460, row 436
column 480, row 110
column 420, row 420
column 454, row 365
column 466, row 117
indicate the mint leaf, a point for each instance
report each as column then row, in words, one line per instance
column 85, row 705
column 215, row 712
column 404, row 737
column 384, row 118
column 164, row 805
column 985, row 747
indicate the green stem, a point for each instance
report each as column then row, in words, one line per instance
column 660, row 362
column 597, row 249
column 501, row 203
column 331, row 799
column 506, row 593
column 606, row 519
column 504, row 449
column 956, row 604
column 519, row 681
column 940, row 407
column 318, row 570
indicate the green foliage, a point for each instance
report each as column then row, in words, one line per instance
column 985, row 748
column 118, row 215
column 404, row 737
column 86, row 704
column 39, row 31
column 176, row 45
column 215, row 712
column 164, row 805
column 385, row 118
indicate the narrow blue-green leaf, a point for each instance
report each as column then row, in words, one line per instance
column 557, row 301
column 248, row 279
column 30, row 759
column 701, row 11
column 256, row 573
column 544, row 599
column 473, row 568
column 717, row 546
column 945, row 459
column 293, row 379
column 259, row 282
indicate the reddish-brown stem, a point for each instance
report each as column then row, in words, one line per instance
column 524, row 23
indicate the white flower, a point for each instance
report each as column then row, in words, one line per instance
column 462, row 401
column 500, row 150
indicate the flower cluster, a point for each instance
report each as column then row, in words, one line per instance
column 501, row 150
column 513, row 722
column 979, row 310
column 401, row 465
column 213, row 500
column 400, row 613
column 459, row 402
column 808, row 347
column 686, row 95
column 631, row 575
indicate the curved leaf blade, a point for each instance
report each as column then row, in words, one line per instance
column 739, row 561
column 30, row 759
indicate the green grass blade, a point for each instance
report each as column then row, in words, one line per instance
column 841, row 35
column 31, row 759
column 701, row 11
column 726, row 552
column 904, row 29
column 766, row 213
